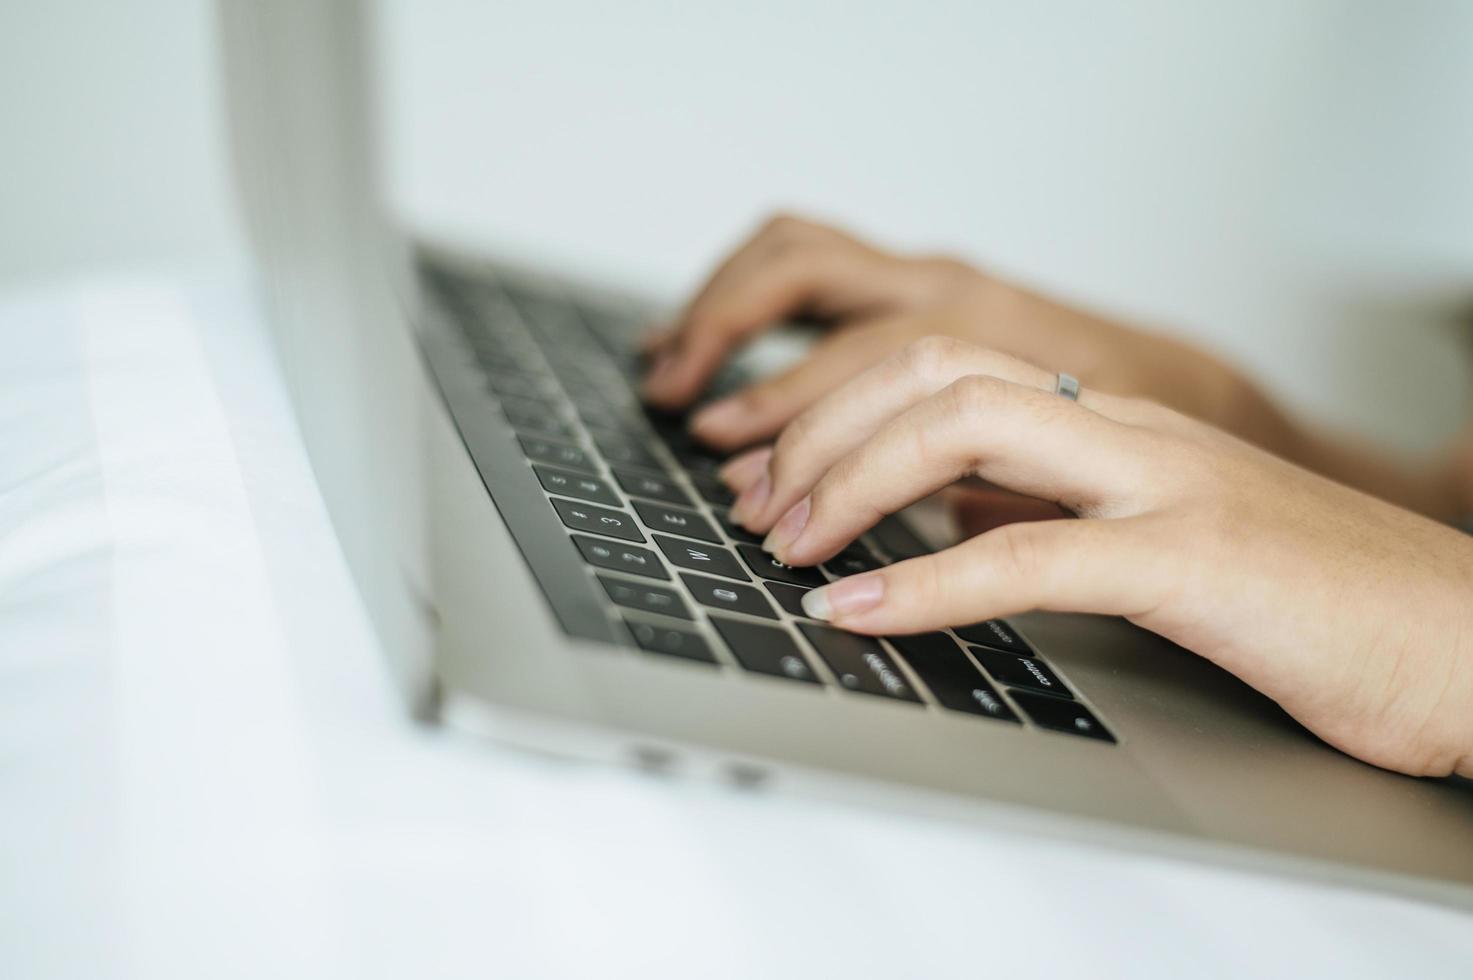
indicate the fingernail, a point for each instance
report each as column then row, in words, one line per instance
column 721, row 415
column 739, row 472
column 787, row 530
column 846, row 597
column 752, row 500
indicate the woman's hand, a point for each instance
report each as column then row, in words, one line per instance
column 1354, row 615
column 876, row 303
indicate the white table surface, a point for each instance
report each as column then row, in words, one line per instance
column 204, row 771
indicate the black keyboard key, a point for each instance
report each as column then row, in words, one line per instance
column 1027, row 672
column 638, row 484
column 620, row 450
column 670, row 425
column 622, row 557
column 536, row 421
column 735, row 531
column 579, row 485
column 719, row 594
column 1062, row 716
column 697, row 461
column 859, row 662
column 701, row 557
column 852, row 561
column 615, row 426
column 712, row 490
column 790, row 597
column 676, row 520
column 996, row 634
column 952, row 677
column 611, row 422
column 765, row 649
column 599, row 520
column 764, row 565
column 649, row 598
column 543, row 451
column 671, row 641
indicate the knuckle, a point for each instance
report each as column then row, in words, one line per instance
column 974, row 394
column 789, row 447
column 945, row 275
column 794, row 435
column 784, row 224
column 932, row 357
column 845, row 486
column 1018, row 554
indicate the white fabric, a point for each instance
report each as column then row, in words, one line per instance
column 204, row 771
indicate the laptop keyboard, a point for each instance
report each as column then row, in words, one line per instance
column 640, row 502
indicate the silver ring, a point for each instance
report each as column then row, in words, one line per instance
column 1068, row 386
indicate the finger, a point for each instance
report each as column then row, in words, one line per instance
column 760, row 294
column 1061, row 566
column 742, row 471
column 760, row 410
column 1016, row 437
column 790, row 267
column 736, row 268
column 655, row 337
column 842, row 420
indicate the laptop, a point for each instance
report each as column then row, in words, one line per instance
column 549, row 564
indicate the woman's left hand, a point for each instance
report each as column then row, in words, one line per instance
column 1354, row 615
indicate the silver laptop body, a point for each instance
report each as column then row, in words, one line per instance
column 473, row 534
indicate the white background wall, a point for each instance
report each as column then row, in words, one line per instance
column 1289, row 182
column 109, row 139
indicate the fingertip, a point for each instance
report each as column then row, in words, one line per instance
column 740, row 471
column 752, row 500
column 681, row 377
column 847, row 600
column 661, row 386
column 716, row 421
column 815, row 603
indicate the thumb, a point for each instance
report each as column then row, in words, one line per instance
column 1092, row 566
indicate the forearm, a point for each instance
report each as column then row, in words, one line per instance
column 1434, row 487
column 1112, row 356
column 1440, row 487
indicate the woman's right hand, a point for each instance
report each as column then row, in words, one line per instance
column 1354, row 615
